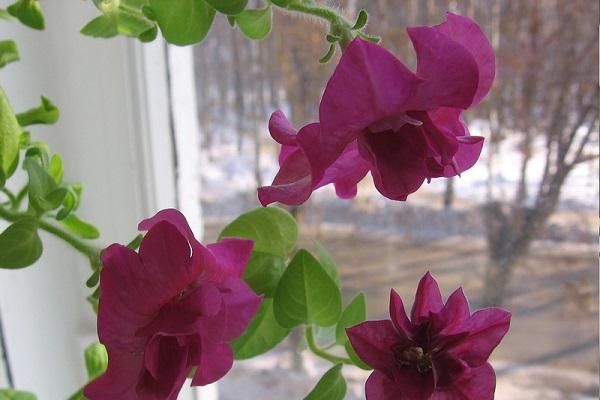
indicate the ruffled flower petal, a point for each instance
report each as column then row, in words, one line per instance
column 397, row 159
column 373, row 341
column 466, row 32
column 380, row 387
column 428, row 299
column 486, row 329
column 449, row 72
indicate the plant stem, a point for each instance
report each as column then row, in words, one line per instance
column 92, row 252
column 312, row 345
column 338, row 24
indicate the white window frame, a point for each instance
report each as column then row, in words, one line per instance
column 120, row 108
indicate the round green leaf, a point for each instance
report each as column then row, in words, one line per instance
column 183, row 22
column 328, row 263
column 229, row 7
column 256, row 24
column 273, row 230
column 306, row 294
column 20, row 245
column 263, row 271
column 354, row 313
column 262, row 334
column 332, row 386
column 10, row 135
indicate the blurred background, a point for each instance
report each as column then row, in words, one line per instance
column 520, row 229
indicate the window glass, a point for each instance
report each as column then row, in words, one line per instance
column 519, row 229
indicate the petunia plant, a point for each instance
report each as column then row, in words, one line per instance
column 170, row 308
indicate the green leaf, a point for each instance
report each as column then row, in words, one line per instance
column 328, row 263
column 20, row 245
column 8, row 52
column 256, row 24
column 10, row 135
column 80, row 227
column 332, row 386
column 92, row 281
column 56, row 168
column 103, row 26
column 263, row 272
column 263, row 333
column 325, row 59
column 306, row 294
column 96, row 360
column 273, row 230
column 355, row 358
column 11, row 394
column 28, row 12
column 355, row 313
column 183, row 22
column 135, row 243
column 229, row 7
column 149, row 35
column 44, row 195
column 133, row 24
column 46, row 113
column 361, row 21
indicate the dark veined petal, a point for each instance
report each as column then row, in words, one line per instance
column 397, row 159
column 473, row 384
column 373, row 342
column 167, row 265
column 231, row 255
column 466, row 32
column 122, row 307
column 453, row 316
column 241, row 304
column 449, row 72
column 346, row 172
column 174, row 217
column 120, row 379
column 368, row 84
column 412, row 384
column 486, row 329
column 380, row 387
column 292, row 184
column 166, row 368
column 215, row 362
column 398, row 315
column 428, row 299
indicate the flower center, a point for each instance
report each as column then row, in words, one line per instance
column 414, row 357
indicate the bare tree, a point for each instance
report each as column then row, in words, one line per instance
column 549, row 91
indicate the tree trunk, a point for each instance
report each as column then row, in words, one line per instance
column 449, row 193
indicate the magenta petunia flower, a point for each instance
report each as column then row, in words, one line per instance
column 172, row 306
column 440, row 353
column 376, row 115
